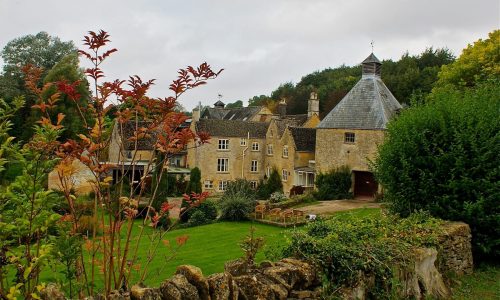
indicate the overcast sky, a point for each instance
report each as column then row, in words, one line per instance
column 260, row 44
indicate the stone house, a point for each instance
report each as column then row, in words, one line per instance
column 235, row 150
column 249, row 142
column 351, row 132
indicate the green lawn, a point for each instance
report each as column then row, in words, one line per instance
column 484, row 283
column 208, row 247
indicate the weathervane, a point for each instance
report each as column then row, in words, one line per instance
column 372, row 43
column 219, row 96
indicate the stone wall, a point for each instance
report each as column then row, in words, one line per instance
column 333, row 152
column 455, row 253
column 294, row 279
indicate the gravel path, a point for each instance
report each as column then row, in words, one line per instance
column 328, row 207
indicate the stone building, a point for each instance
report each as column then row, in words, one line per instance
column 350, row 133
column 235, row 150
column 249, row 142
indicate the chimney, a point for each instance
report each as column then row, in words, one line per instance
column 313, row 105
column 282, row 107
column 196, row 113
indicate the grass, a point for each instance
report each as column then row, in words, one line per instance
column 357, row 213
column 208, row 247
column 484, row 283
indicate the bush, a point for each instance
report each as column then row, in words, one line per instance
column 334, row 185
column 238, row 201
column 442, row 157
column 277, row 197
column 207, row 209
column 345, row 247
column 297, row 190
column 193, row 186
column 199, row 218
column 271, row 185
column 236, row 207
column 86, row 225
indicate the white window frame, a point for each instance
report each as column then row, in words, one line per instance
column 243, row 142
column 209, row 184
column 254, row 166
column 285, row 151
column 253, row 184
column 223, row 144
column 349, row 137
column 270, row 150
column 222, row 185
column 255, row 146
column 284, row 175
column 222, row 165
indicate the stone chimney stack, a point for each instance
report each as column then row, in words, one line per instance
column 313, row 105
column 196, row 114
column 282, row 107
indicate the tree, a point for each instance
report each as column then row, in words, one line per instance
column 67, row 69
column 40, row 50
column 194, row 186
column 235, row 104
column 442, row 157
column 477, row 63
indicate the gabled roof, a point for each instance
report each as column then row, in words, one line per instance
column 232, row 128
column 127, row 130
column 240, row 113
column 368, row 105
column 304, row 138
column 289, row 120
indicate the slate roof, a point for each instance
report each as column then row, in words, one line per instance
column 368, row 105
column 240, row 113
column 129, row 131
column 232, row 128
column 304, row 138
column 290, row 120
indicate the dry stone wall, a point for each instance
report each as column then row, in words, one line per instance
column 294, row 279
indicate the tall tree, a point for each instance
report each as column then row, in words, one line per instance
column 235, row 104
column 40, row 50
column 477, row 63
column 68, row 70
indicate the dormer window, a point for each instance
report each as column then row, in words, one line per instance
column 349, row 137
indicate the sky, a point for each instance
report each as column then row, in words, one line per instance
column 260, row 44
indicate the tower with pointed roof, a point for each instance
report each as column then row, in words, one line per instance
column 352, row 130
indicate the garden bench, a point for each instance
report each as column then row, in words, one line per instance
column 260, row 208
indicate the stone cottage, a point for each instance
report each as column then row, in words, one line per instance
column 350, row 133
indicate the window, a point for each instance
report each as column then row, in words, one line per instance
column 224, row 144
column 270, row 149
column 222, row 185
column 209, row 184
column 222, row 164
column 284, row 175
column 253, row 166
column 285, row 151
column 129, row 154
column 349, row 137
column 243, row 142
column 253, row 184
column 255, row 146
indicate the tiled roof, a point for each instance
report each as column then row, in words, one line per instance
column 290, row 120
column 304, row 138
column 240, row 113
column 129, row 131
column 232, row 128
column 368, row 105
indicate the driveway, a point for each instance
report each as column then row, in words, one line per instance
column 328, row 207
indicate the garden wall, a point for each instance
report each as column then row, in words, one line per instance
column 295, row 279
